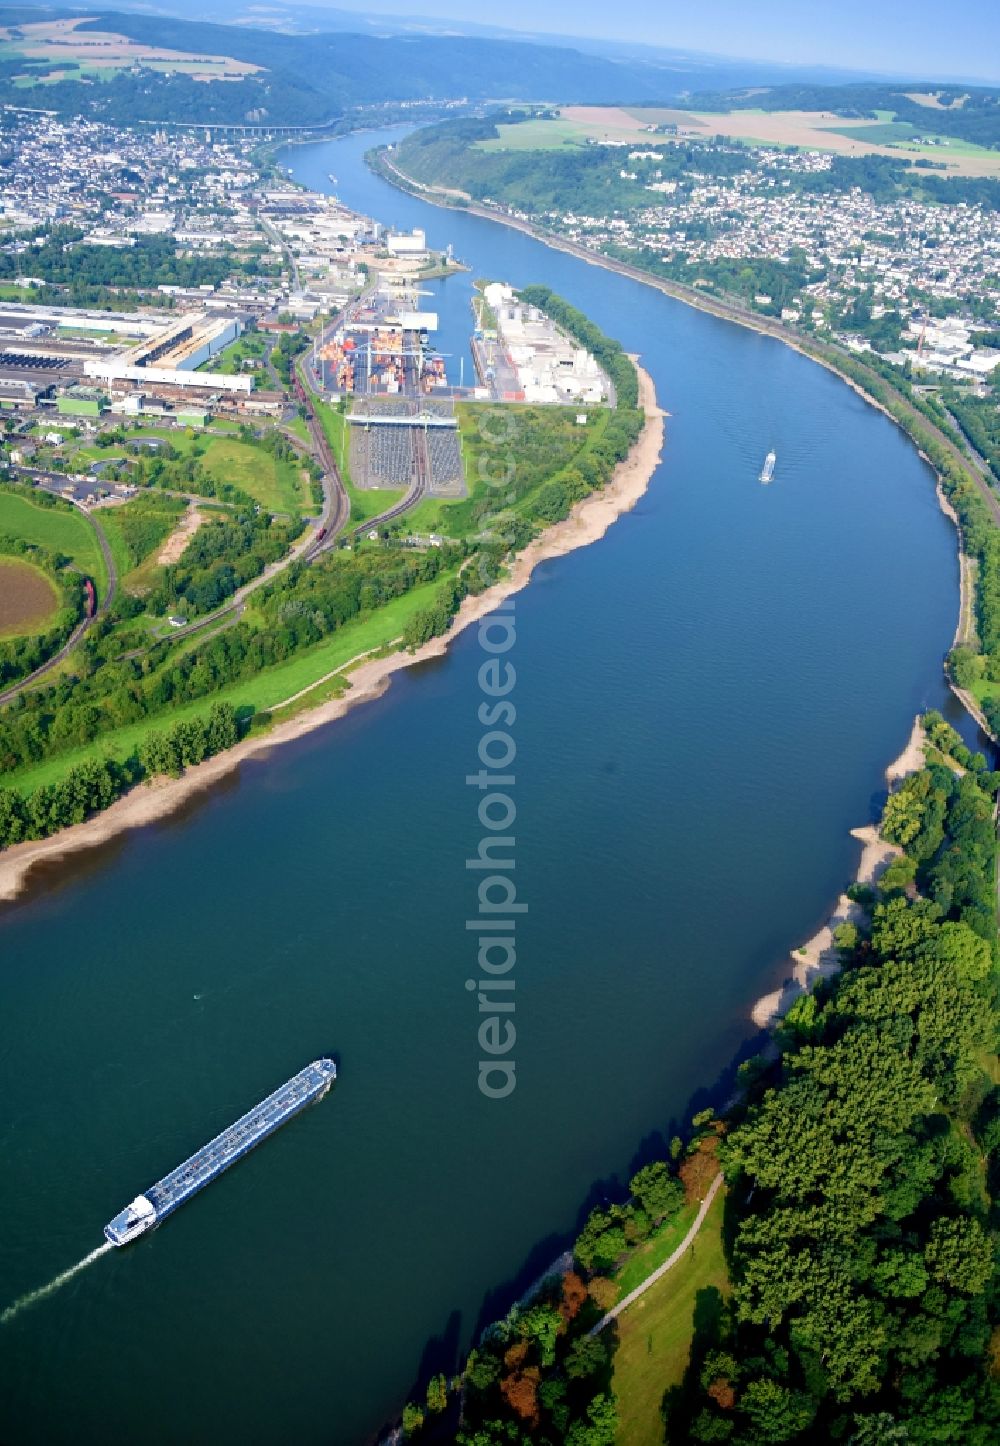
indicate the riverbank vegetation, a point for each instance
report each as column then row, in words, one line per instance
column 862, row 1167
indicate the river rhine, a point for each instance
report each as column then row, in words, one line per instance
column 707, row 700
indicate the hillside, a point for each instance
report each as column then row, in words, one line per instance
column 288, row 79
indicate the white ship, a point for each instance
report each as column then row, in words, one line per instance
column 767, row 471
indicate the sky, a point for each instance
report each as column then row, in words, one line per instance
column 925, row 39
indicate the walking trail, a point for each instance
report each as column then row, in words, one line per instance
column 668, row 1264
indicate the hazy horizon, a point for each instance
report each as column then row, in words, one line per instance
column 901, row 37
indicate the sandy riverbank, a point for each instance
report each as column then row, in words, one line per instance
column 818, row 957
column 587, row 523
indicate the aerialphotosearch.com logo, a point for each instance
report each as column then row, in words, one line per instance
column 499, row 908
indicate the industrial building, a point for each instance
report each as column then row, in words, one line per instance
column 531, row 359
column 170, row 358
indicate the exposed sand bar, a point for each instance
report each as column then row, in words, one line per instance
column 818, row 958
column 587, row 523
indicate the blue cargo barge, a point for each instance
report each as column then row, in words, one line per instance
column 204, row 1165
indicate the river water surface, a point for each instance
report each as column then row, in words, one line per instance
column 707, row 700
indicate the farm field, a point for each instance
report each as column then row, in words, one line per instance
column 810, row 130
column 60, row 528
column 28, row 600
column 537, row 135
column 98, row 53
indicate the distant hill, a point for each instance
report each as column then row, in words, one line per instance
column 312, row 78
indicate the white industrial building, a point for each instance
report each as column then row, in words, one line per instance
column 406, row 243
column 551, row 367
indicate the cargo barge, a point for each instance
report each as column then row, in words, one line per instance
column 161, row 1199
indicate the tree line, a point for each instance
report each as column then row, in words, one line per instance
column 96, row 784
column 539, row 1375
column 610, row 354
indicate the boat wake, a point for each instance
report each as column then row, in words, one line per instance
column 34, row 1296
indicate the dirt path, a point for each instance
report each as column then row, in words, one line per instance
column 174, row 547
column 668, row 1264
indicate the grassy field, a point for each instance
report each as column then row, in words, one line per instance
column 654, row 1334
column 641, row 1263
column 537, row 135
column 298, row 426
column 259, row 694
column 278, row 486
column 251, row 346
column 10, row 291
column 61, row 528
column 29, row 601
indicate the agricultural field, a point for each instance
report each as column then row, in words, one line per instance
column 538, row 135
column 808, row 130
column 29, row 602
column 71, row 53
column 60, row 528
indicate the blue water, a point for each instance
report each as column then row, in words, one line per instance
column 706, row 703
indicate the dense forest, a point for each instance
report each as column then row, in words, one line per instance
column 862, row 1165
column 585, row 181
column 62, row 257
